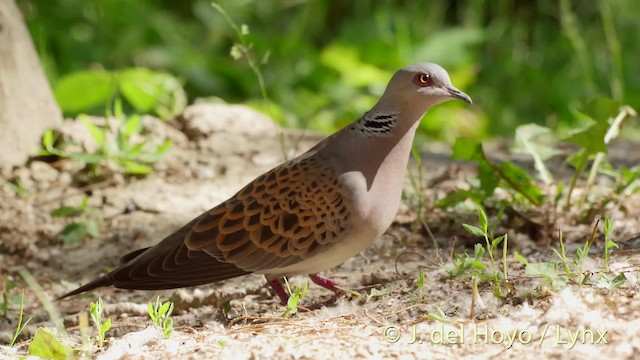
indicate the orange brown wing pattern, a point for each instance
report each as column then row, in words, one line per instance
column 284, row 216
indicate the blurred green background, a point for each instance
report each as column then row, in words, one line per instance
column 325, row 62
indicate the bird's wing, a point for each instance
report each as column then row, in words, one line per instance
column 284, row 216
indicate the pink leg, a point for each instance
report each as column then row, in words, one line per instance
column 325, row 283
column 276, row 285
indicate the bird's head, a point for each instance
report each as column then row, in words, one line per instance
column 422, row 86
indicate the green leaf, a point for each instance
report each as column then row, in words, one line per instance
column 478, row 250
column 132, row 167
column 522, row 183
column 454, row 198
column 489, row 180
column 97, row 133
column 47, row 346
column 147, row 90
column 74, row 232
column 465, row 149
column 92, row 229
column 618, row 281
column 478, row 265
column 133, row 125
column 521, row 259
column 600, row 109
column 164, row 147
column 48, row 140
column 420, row 281
column 596, row 115
column 88, row 158
column 84, row 90
column 525, row 142
column 546, row 270
column 473, row 229
column 66, row 211
column 608, row 226
column 482, row 219
column 105, row 326
column 497, row 241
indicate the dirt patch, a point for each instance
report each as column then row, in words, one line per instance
column 217, row 149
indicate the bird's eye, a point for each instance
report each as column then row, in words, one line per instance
column 423, row 79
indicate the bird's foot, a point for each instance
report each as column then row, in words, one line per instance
column 326, row 283
column 277, row 287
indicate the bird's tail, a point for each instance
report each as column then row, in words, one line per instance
column 167, row 265
column 103, row 280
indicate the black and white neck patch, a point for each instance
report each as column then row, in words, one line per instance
column 372, row 125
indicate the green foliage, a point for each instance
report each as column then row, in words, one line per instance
column 420, row 283
column 490, row 176
column 21, row 325
column 329, row 60
column 87, row 223
column 602, row 119
column 573, row 269
column 294, row 298
column 144, row 89
column 96, row 310
column 128, row 151
column 474, row 265
column 15, row 187
column 6, row 286
column 439, row 316
column 527, row 141
column 614, row 282
column 591, row 137
column 46, row 345
column 160, row 315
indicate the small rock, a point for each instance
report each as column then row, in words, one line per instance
column 202, row 120
column 42, row 172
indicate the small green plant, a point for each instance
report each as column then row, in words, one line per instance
column 573, row 269
column 294, row 298
column 15, row 186
column 96, row 310
column 244, row 50
column 85, row 223
column 439, row 316
column 160, row 315
column 420, row 283
column 128, row 151
column 6, row 285
column 376, row 293
column 464, row 263
column 609, row 244
column 474, row 265
column 21, row 325
column 615, row 282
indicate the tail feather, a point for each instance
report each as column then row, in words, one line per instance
column 99, row 282
column 167, row 265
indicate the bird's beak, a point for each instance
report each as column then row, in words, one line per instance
column 457, row 94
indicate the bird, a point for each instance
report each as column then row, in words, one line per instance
column 306, row 215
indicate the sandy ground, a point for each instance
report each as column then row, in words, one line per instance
column 219, row 148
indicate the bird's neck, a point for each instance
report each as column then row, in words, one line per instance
column 381, row 141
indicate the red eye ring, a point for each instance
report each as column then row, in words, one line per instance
column 423, row 79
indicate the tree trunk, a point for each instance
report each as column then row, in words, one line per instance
column 27, row 105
